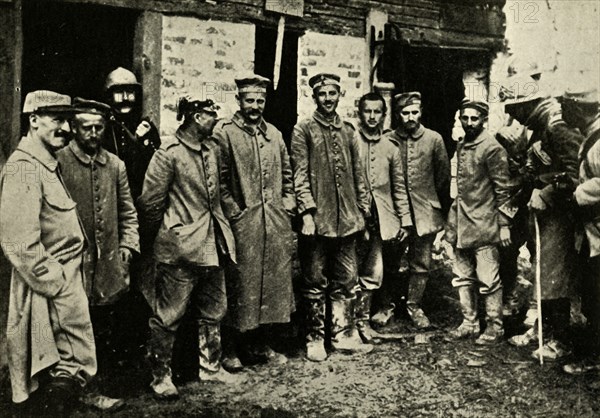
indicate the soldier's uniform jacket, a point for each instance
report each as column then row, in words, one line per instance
column 258, row 198
column 181, row 194
column 483, row 186
column 587, row 193
column 382, row 163
column 426, row 169
column 329, row 179
column 104, row 202
column 39, row 232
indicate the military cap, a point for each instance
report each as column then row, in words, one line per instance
column 189, row 104
column 480, row 105
column 406, row 99
column 91, row 107
column 252, row 83
column 324, row 79
column 584, row 96
column 46, row 101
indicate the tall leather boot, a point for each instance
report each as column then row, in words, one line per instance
column 160, row 350
column 315, row 329
column 344, row 336
column 494, row 330
column 469, row 328
column 209, row 342
column 416, row 288
column 363, row 316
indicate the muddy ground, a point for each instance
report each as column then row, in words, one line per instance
column 412, row 376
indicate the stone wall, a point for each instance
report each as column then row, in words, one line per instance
column 342, row 55
column 202, row 58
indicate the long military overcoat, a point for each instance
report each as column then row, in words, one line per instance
column 258, row 198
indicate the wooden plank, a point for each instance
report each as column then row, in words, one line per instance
column 147, row 61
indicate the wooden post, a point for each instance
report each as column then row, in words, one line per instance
column 147, row 52
column 11, row 51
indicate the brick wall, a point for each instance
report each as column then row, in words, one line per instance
column 202, row 58
column 342, row 55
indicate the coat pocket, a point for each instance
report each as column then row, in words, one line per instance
column 435, row 204
column 61, row 203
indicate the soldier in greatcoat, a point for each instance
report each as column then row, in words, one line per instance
column 97, row 182
column 258, row 198
column 49, row 328
column 181, row 200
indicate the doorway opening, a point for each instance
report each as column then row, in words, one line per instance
column 438, row 74
column 282, row 104
column 70, row 48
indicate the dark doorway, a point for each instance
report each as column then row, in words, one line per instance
column 70, row 48
column 282, row 104
column 438, row 74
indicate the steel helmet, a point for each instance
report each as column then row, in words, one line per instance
column 120, row 77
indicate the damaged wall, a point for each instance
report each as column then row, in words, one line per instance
column 341, row 55
column 561, row 37
column 202, row 57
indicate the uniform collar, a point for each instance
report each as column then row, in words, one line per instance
column 239, row 120
column 368, row 137
column 336, row 122
column 187, row 139
column 37, row 150
column 414, row 135
column 101, row 156
column 480, row 138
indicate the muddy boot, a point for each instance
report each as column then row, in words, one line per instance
column 209, row 342
column 416, row 288
column 383, row 316
column 160, row 347
column 363, row 313
column 494, row 330
column 344, row 336
column 469, row 328
column 315, row 330
column 231, row 362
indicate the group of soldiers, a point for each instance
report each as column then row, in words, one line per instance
column 219, row 204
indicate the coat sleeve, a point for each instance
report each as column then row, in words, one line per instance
column 450, row 233
column 128, row 221
column 498, row 172
column 588, row 192
column 441, row 173
column 360, row 179
column 152, row 202
column 289, row 198
column 300, row 165
column 230, row 206
column 399, row 194
column 20, row 229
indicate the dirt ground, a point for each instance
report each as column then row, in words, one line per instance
column 413, row 375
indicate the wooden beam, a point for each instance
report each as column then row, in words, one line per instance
column 147, row 54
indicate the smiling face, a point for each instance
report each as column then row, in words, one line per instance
column 371, row 114
column 52, row 129
column 410, row 117
column 252, row 105
column 327, row 99
column 89, row 131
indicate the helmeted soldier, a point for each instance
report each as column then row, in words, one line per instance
column 258, row 198
column 581, row 109
column 128, row 136
column 552, row 169
column 181, row 199
column 333, row 202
